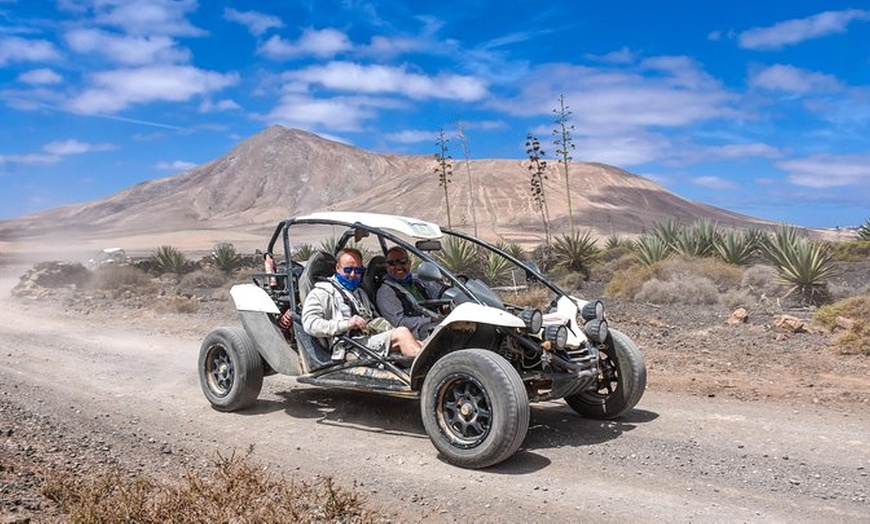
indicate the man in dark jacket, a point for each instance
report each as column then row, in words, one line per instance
column 400, row 291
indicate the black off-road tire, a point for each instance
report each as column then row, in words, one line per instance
column 230, row 369
column 620, row 385
column 475, row 408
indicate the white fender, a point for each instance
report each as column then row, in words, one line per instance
column 471, row 312
column 249, row 297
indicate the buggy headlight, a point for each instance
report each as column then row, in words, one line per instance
column 557, row 334
column 592, row 310
column 533, row 319
column 596, row 330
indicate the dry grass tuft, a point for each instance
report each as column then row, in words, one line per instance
column 206, row 278
column 692, row 289
column 120, row 277
column 852, row 315
column 236, row 491
column 534, row 296
column 177, row 304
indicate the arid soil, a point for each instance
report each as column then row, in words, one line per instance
column 742, row 422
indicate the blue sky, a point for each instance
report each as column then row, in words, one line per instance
column 762, row 108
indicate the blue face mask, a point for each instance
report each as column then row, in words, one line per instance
column 349, row 284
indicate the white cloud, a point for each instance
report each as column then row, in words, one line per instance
column 74, row 147
column 611, row 102
column 742, row 151
column 346, row 76
column 323, row 43
column 177, row 165
column 713, row 182
column 826, row 170
column 411, row 136
column 152, row 17
column 15, row 49
column 128, row 50
column 257, row 23
column 337, row 113
column 207, row 106
column 621, row 150
column 113, row 91
column 41, row 76
column 796, row 31
column 791, row 79
column 622, row 56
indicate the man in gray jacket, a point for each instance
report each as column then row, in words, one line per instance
column 338, row 306
column 400, row 291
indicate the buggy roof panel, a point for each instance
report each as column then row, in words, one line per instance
column 412, row 227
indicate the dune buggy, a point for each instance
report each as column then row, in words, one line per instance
column 488, row 357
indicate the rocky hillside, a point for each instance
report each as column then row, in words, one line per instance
column 279, row 173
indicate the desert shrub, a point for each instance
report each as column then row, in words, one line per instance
column 177, row 304
column 734, row 298
column 118, row 276
column 724, row 276
column 758, row 277
column 236, row 490
column 626, row 283
column 612, row 261
column 856, row 338
column 224, row 257
column 206, row 278
column 856, row 251
column 691, row 290
column 169, row 259
column 574, row 252
column 533, row 296
column 572, row 282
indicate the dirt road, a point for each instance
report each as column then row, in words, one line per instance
column 678, row 458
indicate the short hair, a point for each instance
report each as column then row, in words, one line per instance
column 397, row 249
column 352, row 251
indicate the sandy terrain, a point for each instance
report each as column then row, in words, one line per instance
column 739, row 423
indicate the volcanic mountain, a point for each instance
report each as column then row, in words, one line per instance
column 281, row 172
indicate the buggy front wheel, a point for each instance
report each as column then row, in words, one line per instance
column 475, row 408
column 230, row 369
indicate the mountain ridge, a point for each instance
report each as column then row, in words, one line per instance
column 280, row 172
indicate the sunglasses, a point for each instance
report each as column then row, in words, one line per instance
column 354, row 270
column 398, row 262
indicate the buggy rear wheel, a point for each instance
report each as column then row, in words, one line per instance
column 621, row 381
column 230, row 369
column 475, row 408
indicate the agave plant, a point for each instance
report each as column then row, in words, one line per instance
column 614, row 241
column 511, row 248
column 574, row 252
column 801, row 263
column 303, row 252
column 497, row 269
column 458, row 256
column 736, row 247
column 169, row 259
column 225, row 257
column 698, row 240
column 650, row 249
column 668, row 231
column 864, row 230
